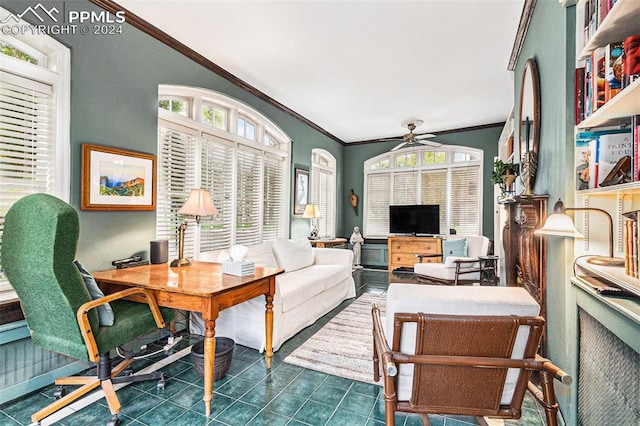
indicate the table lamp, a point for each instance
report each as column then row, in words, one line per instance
column 198, row 204
column 561, row 225
column 311, row 211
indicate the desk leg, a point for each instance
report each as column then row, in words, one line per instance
column 209, row 362
column 268, row 316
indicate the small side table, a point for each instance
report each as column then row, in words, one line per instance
column 329, row 243
column 488, row 270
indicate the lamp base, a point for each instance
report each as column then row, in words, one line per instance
column 178, row 263
column 606, row 261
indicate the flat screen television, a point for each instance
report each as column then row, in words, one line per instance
column 422, row 219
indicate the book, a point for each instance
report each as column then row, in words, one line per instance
column 631, row 59
column 614, row 69
column 585, row 164
column 614, row 154
column 598, row 78
column 579, row 95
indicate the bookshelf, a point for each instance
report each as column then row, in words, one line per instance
column 621, row 21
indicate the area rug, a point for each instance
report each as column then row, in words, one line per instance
column 344, row 346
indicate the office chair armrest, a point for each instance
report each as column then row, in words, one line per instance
column 83, row 312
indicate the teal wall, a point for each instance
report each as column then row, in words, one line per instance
column 114, row 98
column 355, row 155
column 551, row 41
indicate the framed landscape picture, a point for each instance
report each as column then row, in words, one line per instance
column 115, row 179
column 301, row 190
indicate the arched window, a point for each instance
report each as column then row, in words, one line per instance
column 323, row 190
column 211, row 141
column 449, row 176
column 35, row 96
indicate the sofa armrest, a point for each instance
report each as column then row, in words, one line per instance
column 333, row 256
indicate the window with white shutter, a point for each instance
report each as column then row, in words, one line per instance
column 447, row 176
column 247, row 177
column 34, row 122
column 323, row 190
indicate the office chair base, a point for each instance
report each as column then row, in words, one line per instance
column 89, row 383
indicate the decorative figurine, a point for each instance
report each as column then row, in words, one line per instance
column 356, row 241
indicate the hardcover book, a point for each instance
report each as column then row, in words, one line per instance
column 615, row 151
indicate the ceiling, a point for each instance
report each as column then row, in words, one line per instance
column 358, row 68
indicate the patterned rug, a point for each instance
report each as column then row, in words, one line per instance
column 344, row 346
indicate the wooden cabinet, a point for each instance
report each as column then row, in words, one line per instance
column 403, row 250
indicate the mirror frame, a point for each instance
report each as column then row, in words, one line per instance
column 530, row 71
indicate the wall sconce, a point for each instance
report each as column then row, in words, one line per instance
column 311, row 211
column 198, row 204
column 560, row 225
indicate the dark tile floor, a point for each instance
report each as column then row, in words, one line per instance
column 249, row 394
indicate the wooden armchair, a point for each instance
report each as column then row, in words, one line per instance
column 469, row 263
column 461, row 350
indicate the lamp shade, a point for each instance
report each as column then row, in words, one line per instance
column 561, row 225
column 311, row 211
column 198, row 204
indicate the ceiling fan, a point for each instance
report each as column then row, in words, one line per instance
column 411, row 139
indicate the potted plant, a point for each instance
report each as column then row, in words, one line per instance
column 504, row 174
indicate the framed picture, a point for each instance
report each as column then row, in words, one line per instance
column 301, row 190
column 115, row 179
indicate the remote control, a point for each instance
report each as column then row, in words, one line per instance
column 132, row 264
column 135, row 258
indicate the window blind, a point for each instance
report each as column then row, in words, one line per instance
column 216, row 172
column 248, row 196
column 377, row 204
column 176, row 178
column 465, row 198
column 405, row 188
column 434, row 191
column 27, row 144
column 323, row 195
column 273, row 220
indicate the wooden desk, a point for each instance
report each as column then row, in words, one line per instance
column 200, row 287
column 334, row 242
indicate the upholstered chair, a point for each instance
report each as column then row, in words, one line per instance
column 461, row 350
column 464, row 257
column 39, row 245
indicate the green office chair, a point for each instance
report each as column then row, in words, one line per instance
column 38, row 250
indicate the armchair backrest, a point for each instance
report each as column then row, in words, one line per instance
column 38, row 249
column 477, row 245
column 449, row 327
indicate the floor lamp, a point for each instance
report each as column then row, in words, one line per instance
column 560, row 225
column 198, row 204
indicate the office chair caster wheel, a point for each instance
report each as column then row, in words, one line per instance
column 161, row 383
column 59, row 392
column 114, row 421
column 128, row 371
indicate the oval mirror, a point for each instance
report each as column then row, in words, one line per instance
column 529, row 120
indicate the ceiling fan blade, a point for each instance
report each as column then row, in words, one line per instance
column 395, row 148
column 431, row 144
column 425, row 136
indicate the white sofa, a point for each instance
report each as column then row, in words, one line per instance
column 315, row 281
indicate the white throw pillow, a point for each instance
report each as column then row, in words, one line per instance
column 293, row 255
column 262, row 255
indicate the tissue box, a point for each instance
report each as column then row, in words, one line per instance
column 239, row 268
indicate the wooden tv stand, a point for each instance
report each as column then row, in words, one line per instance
column 403, row 250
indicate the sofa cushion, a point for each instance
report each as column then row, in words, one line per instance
column 293, row 255
column 262, row 254
column 297, row 287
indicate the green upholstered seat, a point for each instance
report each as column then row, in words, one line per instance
column 38, row 249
